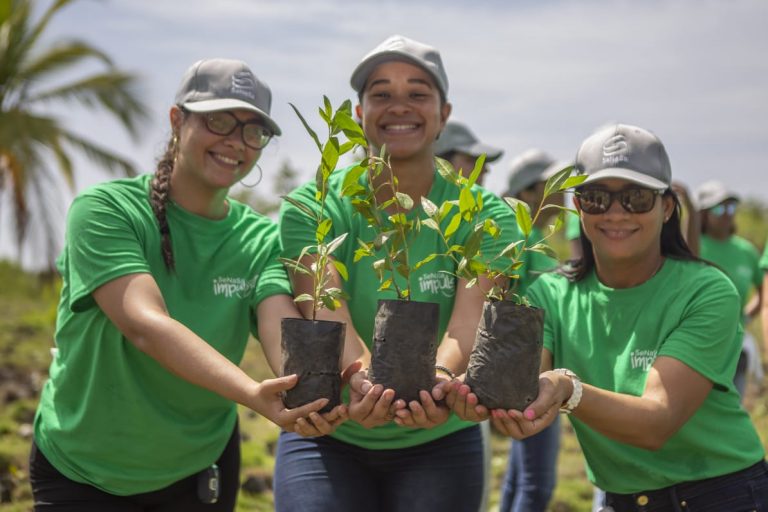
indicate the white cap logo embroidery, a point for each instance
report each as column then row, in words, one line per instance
column 614, row 150
column 244, row 84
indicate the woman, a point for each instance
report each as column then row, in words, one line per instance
column 393, row 456
column 163, row 278
column 655, row 336
column 736, row 256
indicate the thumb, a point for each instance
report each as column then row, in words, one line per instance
column 349, row 371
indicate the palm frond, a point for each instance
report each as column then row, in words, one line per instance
column 101, row 156
column 60, row 57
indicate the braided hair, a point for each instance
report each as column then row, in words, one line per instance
column 159, row 195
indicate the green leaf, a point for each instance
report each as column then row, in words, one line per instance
column 466, row 203
column 295, row 266
column 322, row 229
column 446, row 170
column 336, row 242
column 307, row 128
column 453, row 225
column 304, row 297
column 555, row 182
column 431, row 224
column 479, row 163
column 429, row 207
column 513, row 202
column 543, row 249
column 510, row 248
column 306, row 210
column 425, row 261
column 341, row 268
column 330, row 155
column 573, row 181
column 404, row 200
column 492, row 228
column 473, row 243
column 523, row 216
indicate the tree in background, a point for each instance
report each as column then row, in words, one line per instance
column 35, row 147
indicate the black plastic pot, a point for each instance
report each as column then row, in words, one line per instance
column 312, row 350
column 404, row 347
column 504, row 365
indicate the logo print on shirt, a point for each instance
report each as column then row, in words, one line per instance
column 615, row 149
column 244, row 84
column 438, row 282
column 642, row 359
column 234, row 286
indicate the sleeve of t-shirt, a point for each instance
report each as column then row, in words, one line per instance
column 297, row 229
column 707, row 337
column 764, row 259
column 273, row 279
column 102, row 244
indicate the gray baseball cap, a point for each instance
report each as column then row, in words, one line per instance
column 210, row 85
column 529, row 167
column 401, row 48
column 627, row 152
column 712, row 193
column 457, row 136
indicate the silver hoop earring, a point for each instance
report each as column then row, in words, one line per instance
column 261, row 175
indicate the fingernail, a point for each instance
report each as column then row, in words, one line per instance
column 529, row 414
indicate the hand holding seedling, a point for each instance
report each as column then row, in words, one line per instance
column 317, row 424
column 371, row 405
column 554, row 390
column 460, row 399
column 425, row 414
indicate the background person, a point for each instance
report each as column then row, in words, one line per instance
column 164, row 277
column 462, row 148
column 393, row 456
column 654, row 334
column 738, row 258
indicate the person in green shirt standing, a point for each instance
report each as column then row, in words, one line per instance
column 392, row 456
column 641, row 342
column 735, row 256
column 764, row 309
column 164, row 277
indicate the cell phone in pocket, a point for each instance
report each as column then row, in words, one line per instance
column 208, row 484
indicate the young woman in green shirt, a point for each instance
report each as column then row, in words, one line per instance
column 641, row 343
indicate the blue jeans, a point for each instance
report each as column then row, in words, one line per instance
column 531, row 472
column 742, row 491
column 324, row 474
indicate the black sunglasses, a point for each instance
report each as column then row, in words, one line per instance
column 255, row 136
column 595, row 201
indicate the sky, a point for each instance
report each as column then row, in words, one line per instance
column 521, row 74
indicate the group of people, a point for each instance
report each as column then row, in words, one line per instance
column 165, row 276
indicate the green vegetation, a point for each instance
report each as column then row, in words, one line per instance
column 27, row 313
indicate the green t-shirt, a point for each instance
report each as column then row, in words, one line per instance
column 572, row 226
column 738, row 258
column 764, row 259
column 110, row 415
column 611, row 337
column 430, row 283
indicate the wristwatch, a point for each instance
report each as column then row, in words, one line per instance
column 575, row 398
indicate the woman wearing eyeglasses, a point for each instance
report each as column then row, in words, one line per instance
column 640, row 346
column 737, row 257
column 164, row 277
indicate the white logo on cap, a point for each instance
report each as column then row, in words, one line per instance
column 614, row 150
column 244, row 84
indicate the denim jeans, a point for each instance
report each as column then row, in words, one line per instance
column 324, row 474
column 531, row 472
column 742, row 491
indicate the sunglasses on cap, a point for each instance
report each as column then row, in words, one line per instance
column 722, row 209
column 255, row 135
column 595, row 201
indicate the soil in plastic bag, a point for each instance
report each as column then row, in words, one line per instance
column 504, row 365
column 312, row 350
column 404, row 347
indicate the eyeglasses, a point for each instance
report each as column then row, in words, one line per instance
column 595, row 201
column 722, row 209
column 255, row 135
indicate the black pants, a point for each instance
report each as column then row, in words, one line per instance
column 54, row 492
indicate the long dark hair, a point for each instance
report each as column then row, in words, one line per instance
column 160, row 194
column 673, row 245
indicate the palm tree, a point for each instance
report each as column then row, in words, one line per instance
column 35, row 147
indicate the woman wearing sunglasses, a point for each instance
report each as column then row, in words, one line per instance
column 641, row 343
column 735, row 256
column 164, row 277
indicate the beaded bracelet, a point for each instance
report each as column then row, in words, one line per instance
column 445, row 370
